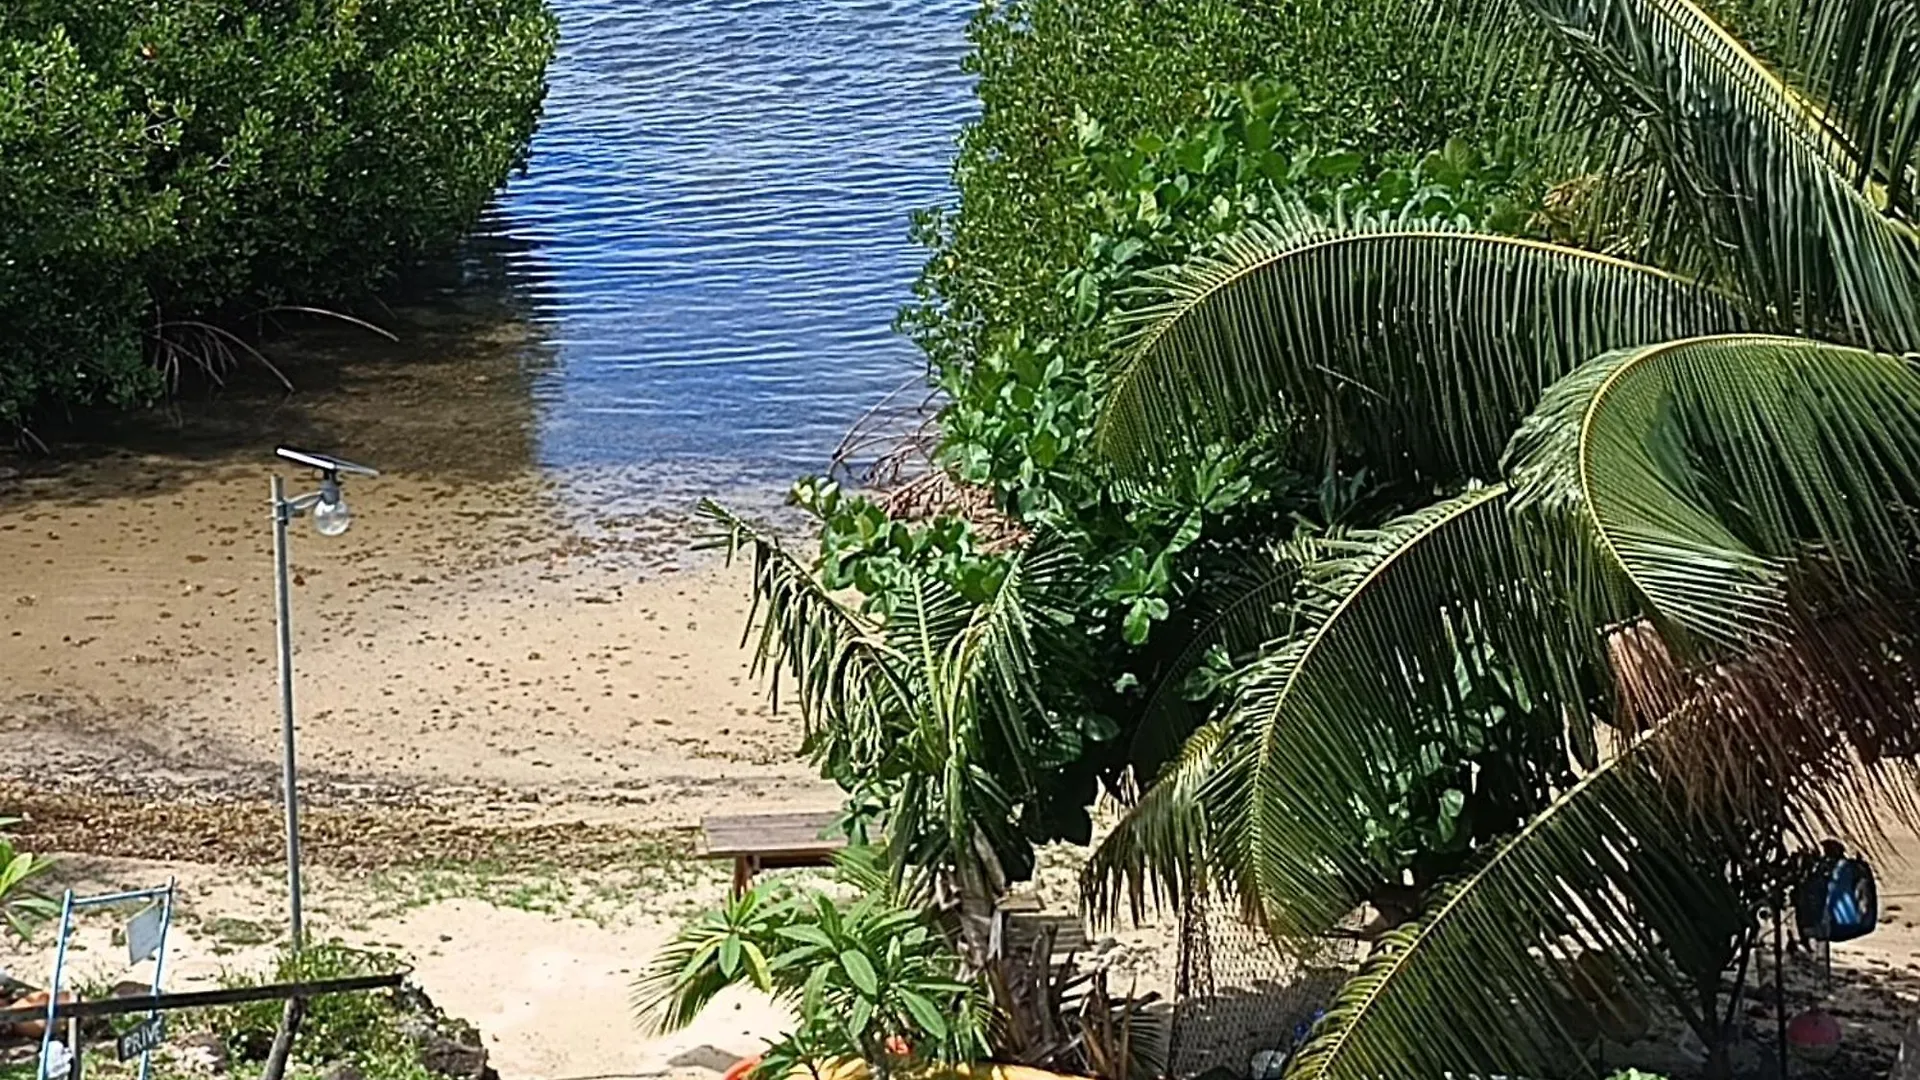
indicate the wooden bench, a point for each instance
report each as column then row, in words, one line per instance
column 757, row 842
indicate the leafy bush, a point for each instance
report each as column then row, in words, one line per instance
column 77, row 214
column 1046, row 68
column 873, row 980
column 179, row 161
column 929, row 717
column 366, row 1029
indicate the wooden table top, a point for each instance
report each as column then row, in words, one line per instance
column 731, row 836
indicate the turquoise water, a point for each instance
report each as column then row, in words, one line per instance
column 712, row 235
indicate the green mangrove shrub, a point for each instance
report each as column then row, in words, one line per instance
column 172, row 164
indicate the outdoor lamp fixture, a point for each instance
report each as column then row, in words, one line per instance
column 328, row 508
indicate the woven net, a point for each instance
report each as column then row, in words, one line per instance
column 1236, row 993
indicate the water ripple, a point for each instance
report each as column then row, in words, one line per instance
column 713, row 226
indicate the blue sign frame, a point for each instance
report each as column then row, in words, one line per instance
column 162, row 895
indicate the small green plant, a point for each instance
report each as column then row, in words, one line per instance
column 873, row 980
column 20, row 905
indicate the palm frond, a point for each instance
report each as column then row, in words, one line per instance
column 1718, row 756
column 1515, row 48
column 925, row 626
column 933, row 734
column 1421, row 344
column 1002, row 649
column 1412, row 627
column 1758, row 166
column 836, row 656
column 1157, row 852
column 952, row 714
column 866, row 870
column 1496, row 952
column 685, row 975
column 1857, row 59
column 1825, row 722
column 1691, row 481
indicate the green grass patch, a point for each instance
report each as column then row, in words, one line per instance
column 651, row 878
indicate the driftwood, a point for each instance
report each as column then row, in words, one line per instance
column 889, row 452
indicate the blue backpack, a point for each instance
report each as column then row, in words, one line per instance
column 1838, row 901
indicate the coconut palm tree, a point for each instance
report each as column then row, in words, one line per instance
column 930, row 713
column 1674, row 573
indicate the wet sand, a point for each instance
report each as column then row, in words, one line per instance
column 462, row 638
column 489, row 626
column 481, row 676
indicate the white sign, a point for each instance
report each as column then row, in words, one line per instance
column 143, row 933
column 56, row 1061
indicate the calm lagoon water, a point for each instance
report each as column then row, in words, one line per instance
column 711, row 239
column 689, row 292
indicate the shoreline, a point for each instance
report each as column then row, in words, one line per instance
column 516, row 694
column 463, row 644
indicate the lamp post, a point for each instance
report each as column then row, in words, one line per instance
column 330, row 518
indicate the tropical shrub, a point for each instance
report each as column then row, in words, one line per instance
column 1566, row 720
column 873, row 979
column 1669, row 585
column 932, row 714
column 1019, row 422
column 170, row 164
column 1115, row 138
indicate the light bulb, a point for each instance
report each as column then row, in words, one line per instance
column 330, row 515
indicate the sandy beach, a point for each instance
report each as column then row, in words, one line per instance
column 459, row 639
column 517, row 691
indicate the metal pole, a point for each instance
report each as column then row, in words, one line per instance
column 159, row 970
column 282, row 512
column 1780, row 987
column 53, row 990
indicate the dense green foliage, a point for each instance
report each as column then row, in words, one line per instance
column 1485, row 430
column 930, row 715
column 169, row 163
column 1115, row 138
column 1657, row 632
column 873, row 980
